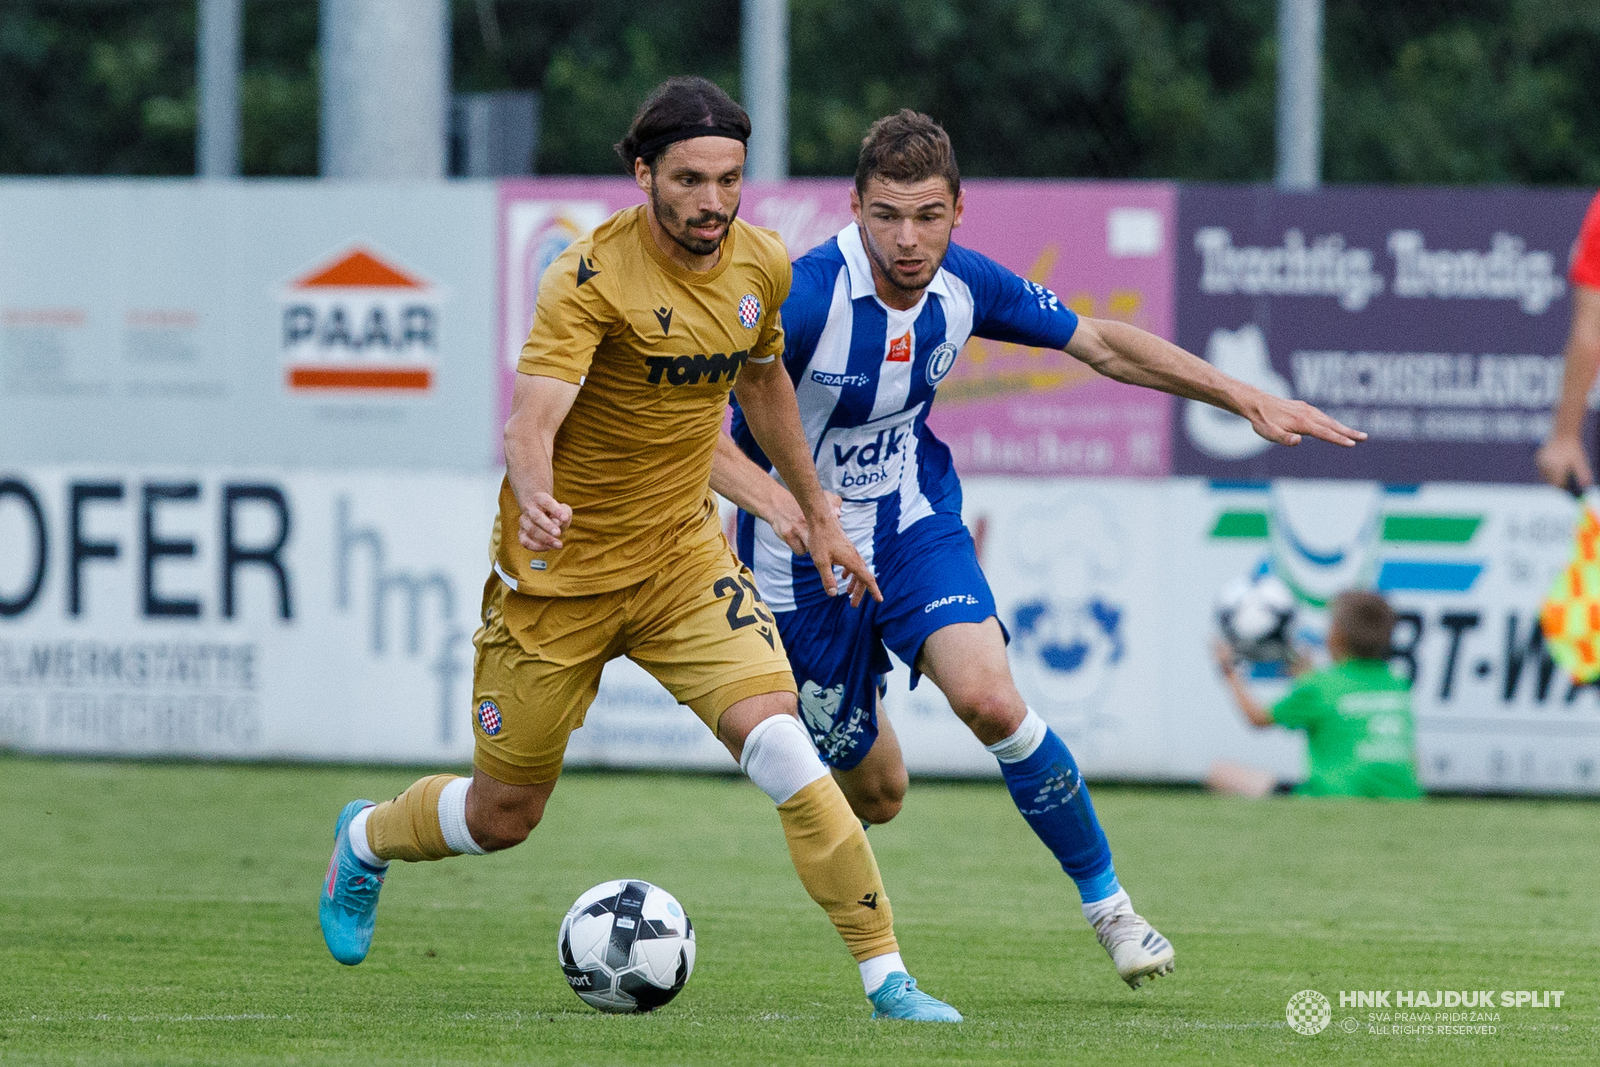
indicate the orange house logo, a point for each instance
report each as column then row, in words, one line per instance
column 360, row 324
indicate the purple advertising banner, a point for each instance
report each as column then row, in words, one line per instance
column 1106, row 249
column 1433, row 319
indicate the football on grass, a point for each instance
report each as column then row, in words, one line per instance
column 626, row 946
column 1256, row 617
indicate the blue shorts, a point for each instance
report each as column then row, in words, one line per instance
column 930, row 579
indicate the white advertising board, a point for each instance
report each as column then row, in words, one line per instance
column 1108, row 589
column 1467, row 567
column 286, row 323
column 258, row 614
column 250, row 613
column 240, row 613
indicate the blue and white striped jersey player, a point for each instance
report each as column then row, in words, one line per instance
column 874, row 320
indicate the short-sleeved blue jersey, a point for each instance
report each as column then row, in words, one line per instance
column 865, row 375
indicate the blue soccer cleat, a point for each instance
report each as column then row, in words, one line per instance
column 899, row 998
column 350, row 895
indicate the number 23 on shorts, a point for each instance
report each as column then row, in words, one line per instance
column 737, row 619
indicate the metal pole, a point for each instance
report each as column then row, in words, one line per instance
column 765, row 33
column 217, row 131
column 1299, row 94
column 385, row 88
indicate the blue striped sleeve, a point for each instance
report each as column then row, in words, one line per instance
column 1008, row 307
column 805, row 312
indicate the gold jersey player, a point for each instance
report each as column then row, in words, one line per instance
column 609, row 542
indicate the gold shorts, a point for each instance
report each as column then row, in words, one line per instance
column 698, row 625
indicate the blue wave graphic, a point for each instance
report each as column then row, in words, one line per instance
column 1428, row 576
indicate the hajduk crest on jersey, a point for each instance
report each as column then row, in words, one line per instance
column 749, row 311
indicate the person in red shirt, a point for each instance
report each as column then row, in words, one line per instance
column 1562, row 460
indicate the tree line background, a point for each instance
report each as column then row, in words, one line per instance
column 1425, row 91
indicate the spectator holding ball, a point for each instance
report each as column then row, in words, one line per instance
column 1356, row 713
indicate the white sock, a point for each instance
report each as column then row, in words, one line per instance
column 453, row 818
column 875, row 970
column 1023, row 742
column 1099, row 911
column 780, row 758
column 359, row 843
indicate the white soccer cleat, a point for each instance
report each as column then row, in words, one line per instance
column 1136, row 948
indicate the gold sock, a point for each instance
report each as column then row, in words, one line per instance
column 407, row 827
column 835, row 863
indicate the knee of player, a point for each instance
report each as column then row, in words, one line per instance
column 505, row 828
column 990, row 709
column 880, row 809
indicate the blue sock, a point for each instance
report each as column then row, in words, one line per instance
column 1053, row 798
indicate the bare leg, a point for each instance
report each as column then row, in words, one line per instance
column 1238, row 780
column 876, row 787
column 967, row 661
column 500, row 815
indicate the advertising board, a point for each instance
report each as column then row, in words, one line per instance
column 300, row 324
column 1105, row 248
column 1433, row 319
column 247, row 613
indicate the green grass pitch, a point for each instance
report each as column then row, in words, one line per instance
column 167, row 914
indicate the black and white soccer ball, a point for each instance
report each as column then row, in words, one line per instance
column 626, row 946
column 1256, row 617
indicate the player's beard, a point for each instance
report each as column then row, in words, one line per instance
column 678, row 229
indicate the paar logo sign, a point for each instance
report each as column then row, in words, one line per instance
column 359, row 323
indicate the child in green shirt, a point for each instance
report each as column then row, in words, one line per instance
column 1356, row 713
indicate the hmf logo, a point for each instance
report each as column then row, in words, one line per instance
column 688, row 370
column 429, row 634
column 361, row 324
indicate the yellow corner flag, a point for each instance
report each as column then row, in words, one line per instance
column 1570, row 616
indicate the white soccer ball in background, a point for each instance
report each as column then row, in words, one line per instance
column 1256, row 617
column 626, row 946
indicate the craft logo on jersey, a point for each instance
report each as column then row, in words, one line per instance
column 359, row 323
column 940, row 361
column 489, row 717
column 899, row 349
column 749, row 311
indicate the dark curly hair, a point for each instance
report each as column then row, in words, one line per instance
column 675, row 104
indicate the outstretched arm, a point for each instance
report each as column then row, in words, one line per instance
column 1561, row 460
column 1258, row 715
column 538, row 407
column 1138, row 357
column 766, row 396
column 733, row 476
